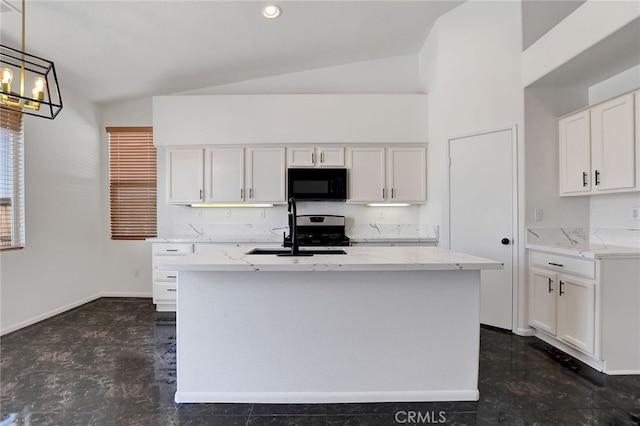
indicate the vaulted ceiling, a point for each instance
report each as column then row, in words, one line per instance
column 112, row 50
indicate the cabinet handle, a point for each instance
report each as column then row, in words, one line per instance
column 322, row 157
column 201, row 195
column 313, row 158
column 393, row 193
column 250, row 192
column 550, row 289
column 556, row 264
column 584, row 178
column 597, row 178
column 171, row 276
column 383, row 193
column 242, row 193
column 561, row 292
column 172, row 289
column 171, row 250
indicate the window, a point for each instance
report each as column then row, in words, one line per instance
column 132, row 183
column 11, row 180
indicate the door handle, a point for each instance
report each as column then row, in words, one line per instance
column 550, row 289
column 505, row 241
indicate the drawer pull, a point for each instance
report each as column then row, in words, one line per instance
column 561, row 292
column 171, row 250
column 171, row 276
column 550, row 289
column 556, row 264
column 171, row 289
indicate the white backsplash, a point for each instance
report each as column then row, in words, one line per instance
column 578, row 237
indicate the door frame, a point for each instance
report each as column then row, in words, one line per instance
column 519, row 295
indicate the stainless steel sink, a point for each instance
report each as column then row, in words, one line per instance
column 303, row 252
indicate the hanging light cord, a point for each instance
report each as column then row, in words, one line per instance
column 24, row 49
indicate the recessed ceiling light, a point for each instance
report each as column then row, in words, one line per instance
column 271, row 11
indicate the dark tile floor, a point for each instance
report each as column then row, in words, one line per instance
column 112, row 362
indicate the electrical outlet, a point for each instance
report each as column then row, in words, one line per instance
column 635, row 213
column 263, row 214
column 381, row 214
column 200, row 213
column 537, row 215
column 227, row 214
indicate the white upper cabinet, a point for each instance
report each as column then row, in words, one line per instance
column 391, row 175
column 575, row 153
column 407, row 174
column 599, row 148
column 224, row 169
column 613, row 144
column 315, row 156
column 265, row 175
column 367, row 175
column 225, row 175
column 184, row 175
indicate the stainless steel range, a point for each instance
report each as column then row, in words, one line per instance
column 319, row 230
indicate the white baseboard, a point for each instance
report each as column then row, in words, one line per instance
column 525, row 332
column 326, row 397
column 123, row 294
column 46, row 315
column 54, row 312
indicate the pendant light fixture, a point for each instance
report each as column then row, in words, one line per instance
column 18, row 70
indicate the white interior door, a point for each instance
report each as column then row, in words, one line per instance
column 481, row 200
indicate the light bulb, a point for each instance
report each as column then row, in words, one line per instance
column 39, row 84
column 6, row 75
column 271, row 11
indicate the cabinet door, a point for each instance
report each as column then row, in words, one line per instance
column 575, row 154
column 407, row 168
column 301, row 157
column 576, row 312
column 185, row 175
column 265, row 175
column 543, row 300
column 330, row 157
column 224, row 171
column 367, row 175
column 613, row 145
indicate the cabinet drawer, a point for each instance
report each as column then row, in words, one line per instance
column 172, row 249
column 165, row 276
column 164, row 291
column 569, row 265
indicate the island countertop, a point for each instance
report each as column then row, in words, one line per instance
column 356, row 259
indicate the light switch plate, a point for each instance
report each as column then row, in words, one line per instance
column 635, row 213
column 537, row 215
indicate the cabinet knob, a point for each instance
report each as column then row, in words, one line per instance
column 505, row 241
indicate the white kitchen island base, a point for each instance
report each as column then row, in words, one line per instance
column 318, row 335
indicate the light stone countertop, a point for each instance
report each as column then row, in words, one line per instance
column 575, row 242
column 265, row 238
column 356, row 259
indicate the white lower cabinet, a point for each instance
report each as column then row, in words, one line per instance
column 564, row 306
column 588, row 308
column 165, row 282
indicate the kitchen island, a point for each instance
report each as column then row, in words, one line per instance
column 376, row 324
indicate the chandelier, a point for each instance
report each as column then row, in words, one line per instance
column 43, row 99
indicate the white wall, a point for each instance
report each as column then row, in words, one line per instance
column 398, row 74
column 470, row 66
column 61, row 266
column 127, row 264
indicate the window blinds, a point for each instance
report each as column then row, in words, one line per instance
column 132, row 183
column 11, row 180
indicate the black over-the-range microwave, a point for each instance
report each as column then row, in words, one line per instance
column 317, row 184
